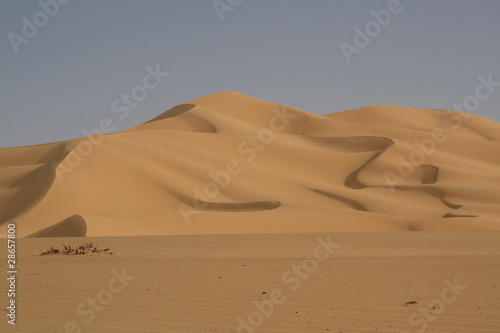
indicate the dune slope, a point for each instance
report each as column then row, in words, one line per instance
column 231, row 164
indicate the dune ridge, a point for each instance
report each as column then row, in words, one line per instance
column 228, row 163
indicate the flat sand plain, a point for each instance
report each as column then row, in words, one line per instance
column 357, row 282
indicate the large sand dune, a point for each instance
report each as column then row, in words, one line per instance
column 231, row 164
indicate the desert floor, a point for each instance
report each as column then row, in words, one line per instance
column 344, row 282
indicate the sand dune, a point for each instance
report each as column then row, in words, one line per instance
column 231, row 164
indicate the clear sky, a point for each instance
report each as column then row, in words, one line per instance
column 64, row 78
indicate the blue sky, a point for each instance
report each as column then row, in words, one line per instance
column 64, row 78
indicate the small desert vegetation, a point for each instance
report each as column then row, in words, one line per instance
column 85, row 248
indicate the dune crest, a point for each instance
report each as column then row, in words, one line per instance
column 228, row 163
